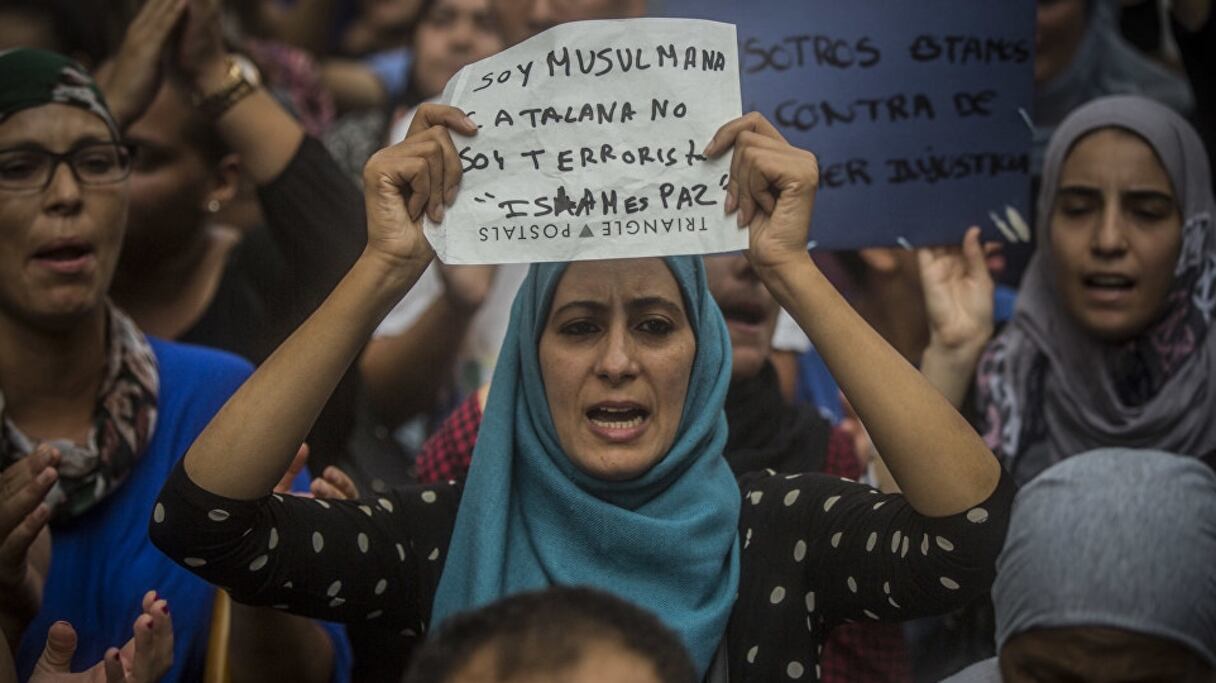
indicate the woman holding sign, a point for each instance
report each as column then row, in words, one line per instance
column 602, row 442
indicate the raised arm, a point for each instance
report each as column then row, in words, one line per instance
column 940, row 463
column 250, row 443
column 423, row 355
column 256, row 127
column 958, row 300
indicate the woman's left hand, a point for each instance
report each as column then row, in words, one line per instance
column 201, row 55
column 772, row 187
column 419, row 175
column 145, row 658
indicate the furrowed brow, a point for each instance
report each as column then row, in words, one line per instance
column 645, row 303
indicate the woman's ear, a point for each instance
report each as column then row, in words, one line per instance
column 225, row 182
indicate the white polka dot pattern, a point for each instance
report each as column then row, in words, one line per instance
column 782, row 581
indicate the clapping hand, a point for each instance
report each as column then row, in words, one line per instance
column 131, row 80
column 24, row 538
column 144, row 659
column 333, row 484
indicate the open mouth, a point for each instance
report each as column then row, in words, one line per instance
column 1109, row 282
column 617, row 418
column 64, row 253
column 65, row 257
column 745, row 313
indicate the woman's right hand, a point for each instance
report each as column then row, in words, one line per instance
column 132, row 78
column 416, row 176
column 23, row 520
column 958, row 296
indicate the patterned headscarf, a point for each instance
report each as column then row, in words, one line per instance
column 33, row 78
column 529, row 518
column 1047, row 390
column 123, row 421
column 125, row 413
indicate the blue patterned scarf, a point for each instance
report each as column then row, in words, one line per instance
column 667, row 540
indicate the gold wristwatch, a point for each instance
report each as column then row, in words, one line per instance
column 240, row 80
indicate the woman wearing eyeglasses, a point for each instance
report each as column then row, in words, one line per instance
column 93, row 413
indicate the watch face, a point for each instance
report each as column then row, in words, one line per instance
column 249, row 71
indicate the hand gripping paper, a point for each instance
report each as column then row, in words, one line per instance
column 589, row 145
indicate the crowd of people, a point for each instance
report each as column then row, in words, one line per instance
column 252, row 429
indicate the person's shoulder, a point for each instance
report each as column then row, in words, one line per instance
column 189, row 364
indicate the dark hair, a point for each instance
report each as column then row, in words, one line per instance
column 198, row 132
column 409, row 96
column 86, row 30
column 547, row 632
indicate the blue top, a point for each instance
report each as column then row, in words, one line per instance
column 392, row 69
column 102, row 563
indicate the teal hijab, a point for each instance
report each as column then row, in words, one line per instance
column 667, row 540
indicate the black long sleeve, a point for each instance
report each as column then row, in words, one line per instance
column 816, row 551
column 374, row 560
column 280, row 273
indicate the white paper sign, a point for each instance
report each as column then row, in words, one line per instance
column 589, row 145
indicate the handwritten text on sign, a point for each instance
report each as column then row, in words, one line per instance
column 589, row 145
column 917, row 109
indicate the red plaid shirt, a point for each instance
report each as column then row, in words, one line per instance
column 862, row 652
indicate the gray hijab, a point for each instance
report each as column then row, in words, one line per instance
column 1113, row 538
column 1047, row 390
column 1104, row 64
